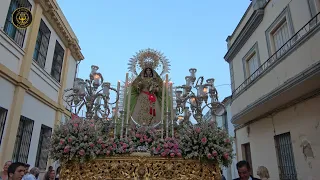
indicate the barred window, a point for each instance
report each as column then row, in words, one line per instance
column 23, row 140
column 42, row 44
column 3, row 116
column 286, row 165
column 57, row 62
column 18, row 35
column 43, row 147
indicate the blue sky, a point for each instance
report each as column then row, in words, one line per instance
column 190, row 33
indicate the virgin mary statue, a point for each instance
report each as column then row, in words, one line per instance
column 146, row 92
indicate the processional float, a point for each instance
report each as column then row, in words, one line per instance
column 146, row 133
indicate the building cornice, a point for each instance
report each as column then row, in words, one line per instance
column 251, row 25
column 312, row 70
column 33, row 91
column 55, row 16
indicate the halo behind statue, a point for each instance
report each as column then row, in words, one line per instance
column 149, row 58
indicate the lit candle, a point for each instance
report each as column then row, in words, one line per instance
column 96, row 79
column 162, row 107
column 167, row 105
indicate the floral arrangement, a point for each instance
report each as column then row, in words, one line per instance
column 77, row 139
column 207, row 142
column 168, row 147
column 143, row 136
column 80, row 139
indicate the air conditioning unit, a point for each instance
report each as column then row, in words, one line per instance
column 259, row 4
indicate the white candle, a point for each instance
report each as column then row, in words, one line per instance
column 172, row 114
column 128, row 109
column 116, row 111
column 162, row 106
column 124, row 103
column 167, row 105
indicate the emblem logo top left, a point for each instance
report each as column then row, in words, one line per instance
column 22, row 18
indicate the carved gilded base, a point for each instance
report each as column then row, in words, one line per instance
column 144, row 168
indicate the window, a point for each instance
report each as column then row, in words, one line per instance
column 251, row 62
column 23, row 140
column 225, row 122
column 14, row 33
column 57, row 62
column 42, row 43
column 246, row 154
column 286, row 165
column 43, row 147
column 3, row 116
column 280, row 36
column 279, row 33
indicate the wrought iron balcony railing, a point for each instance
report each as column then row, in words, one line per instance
column 282, row 51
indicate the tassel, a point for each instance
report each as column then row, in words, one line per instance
column 150, row 111
column 154, row 112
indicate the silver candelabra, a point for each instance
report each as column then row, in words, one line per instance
column 198, row 101
column 93, row 94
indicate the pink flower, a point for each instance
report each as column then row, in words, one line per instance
column 138, row 135
column 107, row 153
column 163, row 154
column 103, row 146
column 82, row 152
column 149, row 140
column 69, row 139
column 209, row 156
column 198, row 130
column 214, row 153
column 227, row 140
column 76, row 125
column 66, row 149
column 204, row 140
column 91, row 125
column 141, row 140
column 100, row 141
column 226, row 155
column 172, row 154
column 158, row 149
column 98, row 152
column 179, row 154
column 62, row 141
column 91, row 144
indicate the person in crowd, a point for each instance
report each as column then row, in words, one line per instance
column 46, row 176
column 263, row 173
column 4, row 172
column 222, row 176
column 27, row 166
column 51, row 175
column 58, row 173
column 244, row 168
column 16, row 171
column 33, row 175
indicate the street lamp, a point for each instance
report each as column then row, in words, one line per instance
column 92, row 93
column 199, row 100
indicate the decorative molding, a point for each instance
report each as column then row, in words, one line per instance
column 27, row 85
column 295, row 46
column 309, row 72
column 284, row 15
column 59, row 23
column 253, row 49
column 301, row 99
column 252, row 24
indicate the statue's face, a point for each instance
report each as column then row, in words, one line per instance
column 148, row 71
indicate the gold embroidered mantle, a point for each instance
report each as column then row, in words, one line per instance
column 144, row 168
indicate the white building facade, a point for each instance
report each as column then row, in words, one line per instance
column 36, row 65
column 225, row 123
column 274, row 60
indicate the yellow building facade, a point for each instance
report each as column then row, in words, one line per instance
column 36, row 65
column 274, row 61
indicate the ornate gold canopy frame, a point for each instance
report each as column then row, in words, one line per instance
column 141, row 168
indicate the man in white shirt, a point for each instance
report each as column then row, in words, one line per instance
column 243, row 168
column 33, row 175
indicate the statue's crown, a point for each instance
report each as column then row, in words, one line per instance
column 148, row 64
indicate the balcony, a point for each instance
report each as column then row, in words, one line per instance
column 291, row 72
